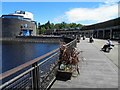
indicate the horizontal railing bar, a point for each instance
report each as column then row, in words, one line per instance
column 47, row 59
column 17, row 77
column 70, row 42
column 16, row 69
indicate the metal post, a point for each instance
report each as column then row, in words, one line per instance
column 35, row 77
column 75, row 43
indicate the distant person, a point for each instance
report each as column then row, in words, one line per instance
column 91, row 39
column 84, row 37
column 108, row 44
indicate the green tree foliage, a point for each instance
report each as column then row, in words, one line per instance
column 47, row 25
column 38, row 28
column 39, row 25
column 57, row 26
column 51, row 26
column 64, row 25
column 43, row 30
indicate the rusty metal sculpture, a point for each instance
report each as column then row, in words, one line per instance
column 68, row 58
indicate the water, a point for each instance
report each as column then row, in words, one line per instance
column 17, row 53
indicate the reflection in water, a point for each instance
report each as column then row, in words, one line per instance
column 16, row 53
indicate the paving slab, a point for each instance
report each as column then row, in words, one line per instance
column 97, row 70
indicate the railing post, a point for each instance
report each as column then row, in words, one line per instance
column 35, row 77
column 74, row 44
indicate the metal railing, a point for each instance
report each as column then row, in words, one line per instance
column 37, row 74
column 72, row 43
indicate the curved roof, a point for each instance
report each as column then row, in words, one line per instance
column 24, row 14
column 110, row 23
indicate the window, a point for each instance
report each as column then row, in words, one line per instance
column 12, row 16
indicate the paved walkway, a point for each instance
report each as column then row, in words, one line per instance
column 113, row 55
column 97, row 70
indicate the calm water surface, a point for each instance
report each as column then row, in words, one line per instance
column 17, row 53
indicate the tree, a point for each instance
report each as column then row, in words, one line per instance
column 52, row 26
column 47, row 25
column 38, row 28
column 43, row 30
column 57, row 26
column 79, row 25
column 39, row 25
column 63, row 25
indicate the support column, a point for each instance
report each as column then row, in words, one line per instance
column 97, row 33
column 110, row 33
column 103, row 34
column 92, row 33
column 89, row 34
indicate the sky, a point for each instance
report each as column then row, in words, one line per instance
column 85, row 13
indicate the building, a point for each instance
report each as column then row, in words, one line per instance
column 19, row 23
column 105, row 30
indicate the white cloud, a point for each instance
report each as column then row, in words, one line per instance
column 87, row 15
column 111, row 1
column 97, row 14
